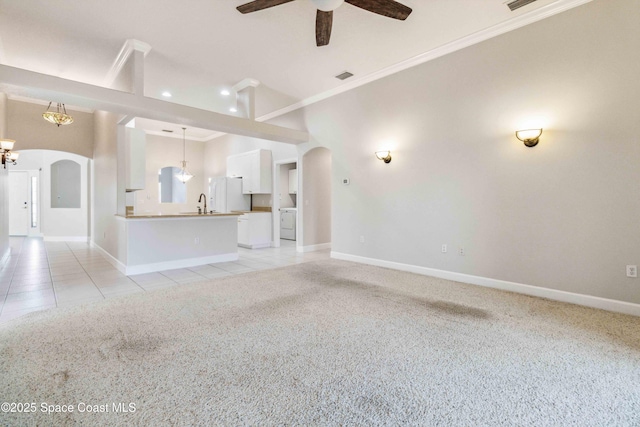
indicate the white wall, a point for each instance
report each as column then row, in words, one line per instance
column 161, row 152
column 217, row 150
column 562, row 215
column 58, row 223
column 286, row 200
column 107, row 231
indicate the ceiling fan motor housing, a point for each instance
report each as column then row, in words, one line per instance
column 327, row 5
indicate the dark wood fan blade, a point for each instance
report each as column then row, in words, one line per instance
column 389, row 8
column 324, row 20
column 259, row 5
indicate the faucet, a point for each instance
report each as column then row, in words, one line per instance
column 205, row 201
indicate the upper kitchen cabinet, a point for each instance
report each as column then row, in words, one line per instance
column 293, row 181
column 254, row 167
column 135, row 159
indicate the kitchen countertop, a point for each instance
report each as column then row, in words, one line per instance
column 253, row 211
column 180, row 215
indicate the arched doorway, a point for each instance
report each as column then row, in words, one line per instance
column 49, row 195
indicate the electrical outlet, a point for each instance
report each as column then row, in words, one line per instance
column 196, row 240
column 361, row 239
column 632, row 271
column 444, row 249
column 461, row 251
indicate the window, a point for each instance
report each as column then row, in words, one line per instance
column 34, row 202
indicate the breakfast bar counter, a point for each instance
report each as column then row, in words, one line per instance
column 155, row 242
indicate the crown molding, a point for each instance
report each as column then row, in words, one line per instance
column 176, row 135
column 477, row 37
column 129, row 46
column 243, row 84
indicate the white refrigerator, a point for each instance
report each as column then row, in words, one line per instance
column 225, row 195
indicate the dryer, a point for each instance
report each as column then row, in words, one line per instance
column 288, row 223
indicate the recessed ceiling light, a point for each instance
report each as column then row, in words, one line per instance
column 166, row 94
column 233, row 109
column 225, row 92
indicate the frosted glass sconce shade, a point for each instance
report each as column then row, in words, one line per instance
column 530, row 137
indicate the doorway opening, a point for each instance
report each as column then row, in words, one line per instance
column 285, row 203
column 24, row 203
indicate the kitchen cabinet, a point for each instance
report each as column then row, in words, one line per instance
column 135, row 159
column 254, row 230
column 254, row 167
column 293, row 181
column 234, row 166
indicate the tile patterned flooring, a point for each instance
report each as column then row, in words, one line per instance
column 40, row 275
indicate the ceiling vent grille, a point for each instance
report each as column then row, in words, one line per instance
column 517, row 4
column 167, row 130
column 344, row 75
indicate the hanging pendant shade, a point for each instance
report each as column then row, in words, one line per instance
column 59, row 116
column 184, row 175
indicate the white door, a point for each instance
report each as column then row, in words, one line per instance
column 18, row 203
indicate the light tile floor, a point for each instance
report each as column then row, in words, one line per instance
column 40, row 275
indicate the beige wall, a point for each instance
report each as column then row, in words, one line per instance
column 563, row 215
column 162, row 152
column 4, row 184
column 316, row 201
column 25, row 124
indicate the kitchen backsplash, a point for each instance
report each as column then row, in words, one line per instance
column 261, row 200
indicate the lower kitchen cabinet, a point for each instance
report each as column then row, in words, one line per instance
column 254, row 230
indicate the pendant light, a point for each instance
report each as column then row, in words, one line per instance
column 184, row 175
column 58, row 117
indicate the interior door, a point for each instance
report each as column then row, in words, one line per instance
column 18, row 203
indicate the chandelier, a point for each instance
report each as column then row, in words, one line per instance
column 59, row 116
column 184, row 175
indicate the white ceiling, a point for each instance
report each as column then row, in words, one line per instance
column 200, row 47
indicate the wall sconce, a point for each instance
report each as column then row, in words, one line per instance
column 530, row 137
column 8, row 156
column 384, row 155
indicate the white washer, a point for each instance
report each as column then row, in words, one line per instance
column 288, row 223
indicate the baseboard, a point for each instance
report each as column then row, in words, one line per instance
column 110, row 258
column 256, row 246
column 182, row 263
column 5, row 256
column 553, row 294
column 167, row 265
column 83, row 239
column 313, row 248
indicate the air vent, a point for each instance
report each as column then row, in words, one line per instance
column 344, row 75
column 167, row 130
column 517, row 4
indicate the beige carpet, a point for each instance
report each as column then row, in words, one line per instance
column 325, row 343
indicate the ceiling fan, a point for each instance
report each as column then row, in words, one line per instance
column 324, row 15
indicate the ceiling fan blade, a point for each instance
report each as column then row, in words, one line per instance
column 389, row 8
column 259, row 5
column 324, row 20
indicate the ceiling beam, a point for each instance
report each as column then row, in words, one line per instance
column 43, row 86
